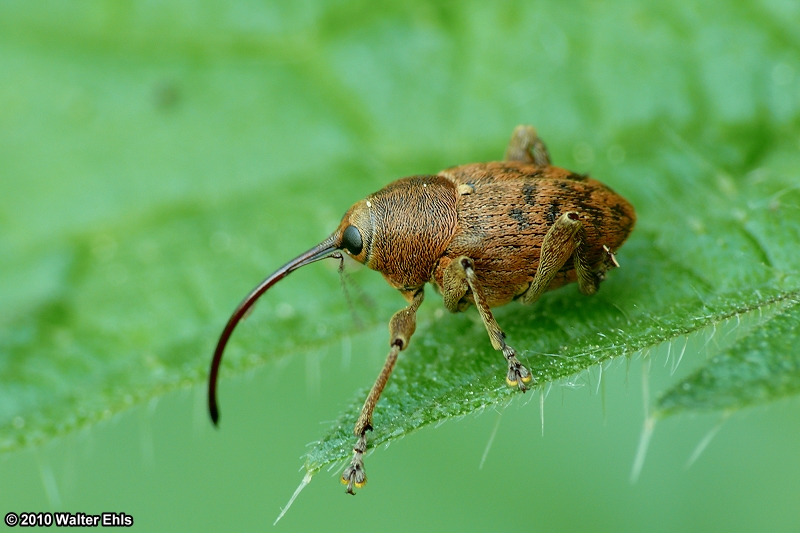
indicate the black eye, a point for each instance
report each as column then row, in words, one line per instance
column 351, row 240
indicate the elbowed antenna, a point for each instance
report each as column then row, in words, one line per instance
column 328, row 248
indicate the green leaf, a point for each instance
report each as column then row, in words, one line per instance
column 762, row 367
column 157, row 163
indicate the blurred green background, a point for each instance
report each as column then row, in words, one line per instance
column 158, row 159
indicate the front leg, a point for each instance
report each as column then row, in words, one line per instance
column 461, row 273
column 401, row 328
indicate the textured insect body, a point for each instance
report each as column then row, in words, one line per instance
column 405, row 228
column 506, row 211
column 483, row 234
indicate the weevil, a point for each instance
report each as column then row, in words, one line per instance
column 482, row 234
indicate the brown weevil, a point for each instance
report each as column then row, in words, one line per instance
column 482, row 234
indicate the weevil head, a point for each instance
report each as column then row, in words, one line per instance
column 401, row 230
column 354, row 235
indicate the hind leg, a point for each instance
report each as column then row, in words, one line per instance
column 525, row 145
column 564, row 240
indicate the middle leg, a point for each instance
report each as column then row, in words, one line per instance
column 461, row 272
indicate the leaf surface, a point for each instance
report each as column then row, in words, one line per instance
column 158, row 163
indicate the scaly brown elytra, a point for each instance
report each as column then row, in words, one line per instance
column 483, row 234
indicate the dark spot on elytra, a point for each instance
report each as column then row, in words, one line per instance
column 577, row 177
column 518, row 215
column 582, row 196
column 529, row 192
column 619, row 211
column 553, row 212
column 593, row 212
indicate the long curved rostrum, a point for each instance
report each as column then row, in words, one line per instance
column 330, row 247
